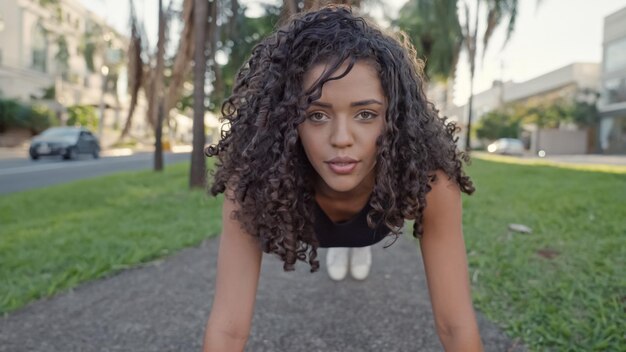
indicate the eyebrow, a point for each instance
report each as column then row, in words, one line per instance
column 356, row 103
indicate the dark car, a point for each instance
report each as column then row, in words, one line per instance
column 68, row 142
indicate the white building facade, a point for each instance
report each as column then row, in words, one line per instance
column 42, row 47
column 576, row 81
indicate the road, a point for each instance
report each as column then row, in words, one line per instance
column 19, row 174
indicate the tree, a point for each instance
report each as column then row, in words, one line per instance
column 435, row 31
column 155, row 107
column 135, row 69
column 237, row 40
column 181, row 68
column 507, row 120
column 432, row 26
column 497, row 11
column 500, row 123
column 198, row 161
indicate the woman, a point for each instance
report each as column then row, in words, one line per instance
column 332, row 143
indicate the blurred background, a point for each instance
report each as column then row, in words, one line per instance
column 537, row 87
column 550, row 73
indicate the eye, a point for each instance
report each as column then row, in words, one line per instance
column 366, row 115
column 317, row 117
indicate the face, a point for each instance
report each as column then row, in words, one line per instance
column 340, row 131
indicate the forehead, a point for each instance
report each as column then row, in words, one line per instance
column 361, row 82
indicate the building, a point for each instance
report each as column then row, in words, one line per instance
column 44, row 47
column 61, row 54
column 612, row 105
column 577, row 81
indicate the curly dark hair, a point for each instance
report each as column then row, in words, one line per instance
column 262, row 159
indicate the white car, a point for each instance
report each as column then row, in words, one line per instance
column 506, row 146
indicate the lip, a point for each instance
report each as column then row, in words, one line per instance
column 342, row 165
column 342, row 159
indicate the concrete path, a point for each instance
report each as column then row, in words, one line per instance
column 163, row 306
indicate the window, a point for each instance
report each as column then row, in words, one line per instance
column 615, row 90
column 39, row 49
column 615, row 56
column 613, row 135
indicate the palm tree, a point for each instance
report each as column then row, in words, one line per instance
column 497, row 11
column 436, row 33
column 435, row 28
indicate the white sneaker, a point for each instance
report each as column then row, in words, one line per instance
column 360, row 262
column 337, row 262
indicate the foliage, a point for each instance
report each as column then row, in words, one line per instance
column 507, row 121
column 558, row 288
column 82, row 115
column 434, row 29
column 14, row 114
column 584, row 114
column 440, row 28
column 89, row 44
column 63, row 55
column 498, row 124
column 92, row 228
column 238, row 47
column 49, row 2
column 49, row 92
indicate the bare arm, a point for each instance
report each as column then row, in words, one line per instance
column 445, row 262
column 238, row 268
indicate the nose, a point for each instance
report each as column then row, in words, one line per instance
column 341, row 135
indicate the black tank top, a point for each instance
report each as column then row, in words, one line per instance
column 350, row 233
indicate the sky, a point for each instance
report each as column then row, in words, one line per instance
column 547, row 37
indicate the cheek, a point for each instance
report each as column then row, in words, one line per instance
column 307, row 140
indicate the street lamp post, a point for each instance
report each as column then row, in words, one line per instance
column 104, row 70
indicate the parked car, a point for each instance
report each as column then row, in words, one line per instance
column 68, row 142
column 506, row 146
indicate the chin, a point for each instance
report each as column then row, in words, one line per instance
column 338, row 185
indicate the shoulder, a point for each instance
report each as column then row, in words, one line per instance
column 444, row 197
column 442, row 185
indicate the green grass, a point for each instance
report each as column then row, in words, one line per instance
column 55, row 238
column 574, row 301
column 621, row 169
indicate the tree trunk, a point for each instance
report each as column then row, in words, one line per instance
column 135, row 70
column 469, row 114
column 471, row 53
column 156, row 100
column 213, row 33
column 232, row 30
column 197, row 172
